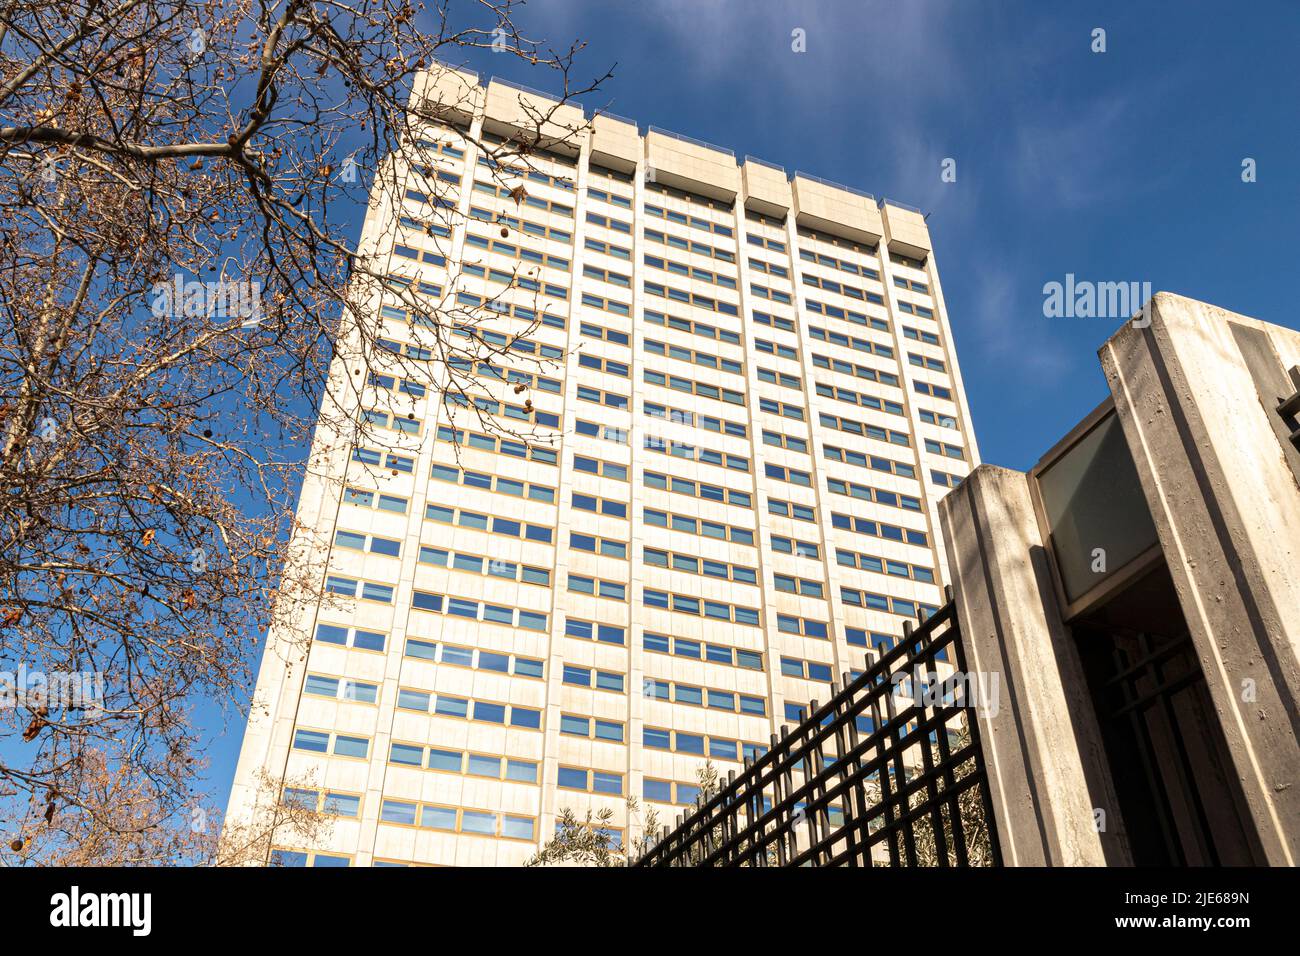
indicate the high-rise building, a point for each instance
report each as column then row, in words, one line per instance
column 742, row 406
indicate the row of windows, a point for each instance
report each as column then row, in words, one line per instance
column 600, row 397
column 366, row 590
column 691, row 387
column 391, row 460
column 779, row 378
column 691, row 298
column 338, row 688
column 706, row 359
column 773, row 348
column 500, row 445
column 708, row 456
column 929, row 338
column 792, row 475
column 512, row 251
column 843, row 265
column 604, row 506
column 697, row 651
column 698, row 526
column 463, row 708
column 700, row 745
column 593, row 631
column 490, row 406
column 845, row 341
column 613, row 336
column 689, row 245
column 784, row 409
column 879, row 529
column 357, row 542
column 608, row 248
column 590, row 781
column 709, row 423
column 774, row 321
column 454, row 761
column 581, row 584
column 457, row 820
column 406, row 385
column 697, row 489
column 606, row 304
column 943, row 448
column 795, row 585
column 525, row 226
column 351, row 637
column 863, row 400
column 522, row 312
column 478, row 611
column 883, row 602
column 514, row 280
column 507, row 375
column 409, row 425
column 695, row 328
column 771, row 295
column 593, row 728
column 910, row 309
column 327, row 742
column 802, row 549
column 474, row 658
column 607, row 275
column 681, row 219
column 858, row 371
column 497, row 483
column 874, row 462
column 878, row 495
column 609, row 222
column 769, row 268
column 789, row 509
column 714, row 610
column 592, row 544
column 807, row 670
column 869, row 562
column 693, row 565
column 869, row 431
column 708, row 697
column 789, row 442
column 689, row 272
column 576, row 676
column 533, row 202
column 921, row 361
column 842, row 288
column 493, row 567
column 934, row 418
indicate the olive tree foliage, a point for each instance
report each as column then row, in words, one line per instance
column 181, row 185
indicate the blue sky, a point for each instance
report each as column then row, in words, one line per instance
column 1117, row 166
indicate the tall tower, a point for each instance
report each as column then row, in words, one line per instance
column 728, row 404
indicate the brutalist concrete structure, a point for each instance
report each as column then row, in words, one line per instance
column 1137, row 590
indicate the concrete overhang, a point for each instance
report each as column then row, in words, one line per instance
column 766, row 188
column 836, row 209
column 906, row 231
column 615, row 142
column 691, row 165
column 516, row 112
column 449, row 94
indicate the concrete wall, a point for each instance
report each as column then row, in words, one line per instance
column 1042, row 747
column 1222, row 487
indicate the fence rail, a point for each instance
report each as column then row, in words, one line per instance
column 882, row 774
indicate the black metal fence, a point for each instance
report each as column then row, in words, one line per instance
column 889, row 772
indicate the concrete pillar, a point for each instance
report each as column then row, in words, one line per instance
column 1043, row 750
column 1196, row 391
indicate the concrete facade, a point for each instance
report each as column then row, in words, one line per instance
column 1196, row 391
column 748, row 409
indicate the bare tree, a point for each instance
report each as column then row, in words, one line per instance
column 179, row 268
